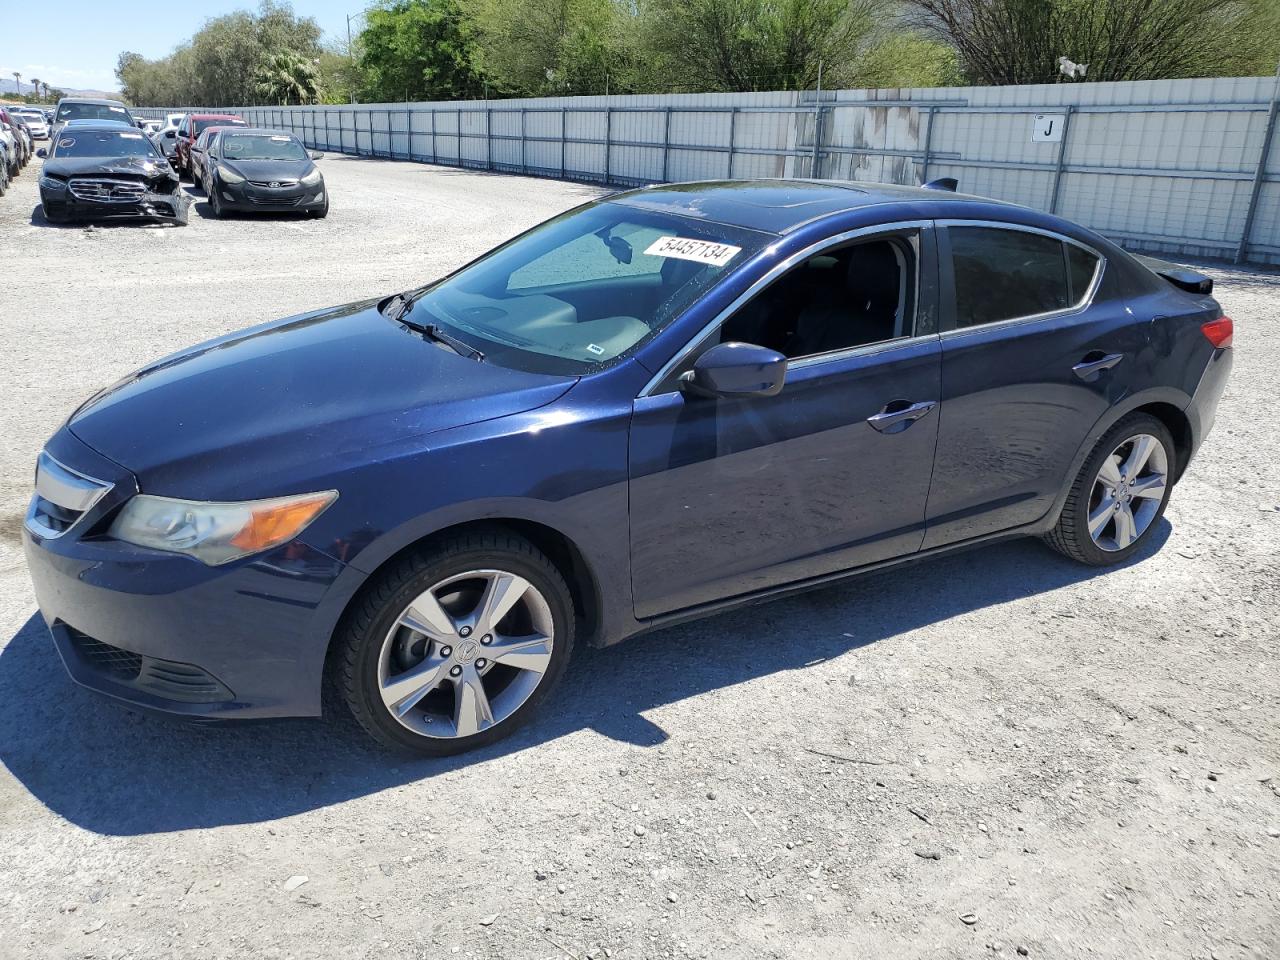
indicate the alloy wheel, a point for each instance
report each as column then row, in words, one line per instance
column 1128, row 492
column 466, row 654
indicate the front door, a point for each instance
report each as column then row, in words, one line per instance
column 732, row 496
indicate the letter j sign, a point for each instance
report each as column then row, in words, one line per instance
column 1047, row 127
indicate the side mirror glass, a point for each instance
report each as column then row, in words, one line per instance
column 42, row 152
column 736, row 370
column 316, row 155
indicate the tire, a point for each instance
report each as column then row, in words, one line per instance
column 1112, row 540
column 322, row 212
column 447, row 583
column 215, row 205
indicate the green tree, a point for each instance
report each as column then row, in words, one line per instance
column 1020, row 41
column 287, row 77
column 417, row 50
column 755, row 45
column 220, row 64
column 554, row 47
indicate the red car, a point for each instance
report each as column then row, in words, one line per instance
column 192, row 125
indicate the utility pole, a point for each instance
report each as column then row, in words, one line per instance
column 351, row 55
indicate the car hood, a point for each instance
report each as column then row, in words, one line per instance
column 148, row 167
column 295, row 397
column 268, row 170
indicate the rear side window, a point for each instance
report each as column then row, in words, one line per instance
column 1005, row 274
column 1082, row 265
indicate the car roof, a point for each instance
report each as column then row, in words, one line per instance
column 215, row 116
column 267, row 131
column 96, row 124
column 779, row 206
column 97, row 100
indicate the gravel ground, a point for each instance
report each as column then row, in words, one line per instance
column 1004, row 755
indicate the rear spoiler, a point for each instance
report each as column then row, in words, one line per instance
column 1180, row 277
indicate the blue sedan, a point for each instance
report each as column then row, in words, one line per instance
column 651, row 408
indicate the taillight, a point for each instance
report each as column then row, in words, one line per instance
column 1218, row 332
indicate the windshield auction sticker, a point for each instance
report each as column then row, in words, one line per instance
column 699, row 251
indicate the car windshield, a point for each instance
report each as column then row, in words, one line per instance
column 198, row 125
column 91, row 111
column 102, row 143
column 585, row 288
column 261, row 146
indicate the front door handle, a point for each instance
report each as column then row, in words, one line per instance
column 897, row 415
column 1093, row 363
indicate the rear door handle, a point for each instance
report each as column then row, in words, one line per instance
column 897, row 415
column 1093, row 363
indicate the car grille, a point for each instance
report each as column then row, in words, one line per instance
column 62, row 497
column 274, row 184
column 105, row 658
column 168, row 679
column 106, row 189
column 276, row 201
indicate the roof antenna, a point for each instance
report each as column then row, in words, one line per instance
column 943, row 183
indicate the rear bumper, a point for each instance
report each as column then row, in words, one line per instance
column 1203, row 409
column 169, row 634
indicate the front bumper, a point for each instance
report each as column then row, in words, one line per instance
column 259, row 199
column 167, row 633
column 60, row 204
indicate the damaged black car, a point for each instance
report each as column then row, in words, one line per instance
column 107, row 170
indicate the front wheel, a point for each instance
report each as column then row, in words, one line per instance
column 215, row 203
column 1120, row 494
column 454, row 648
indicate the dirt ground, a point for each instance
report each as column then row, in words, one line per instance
column 1002, row 754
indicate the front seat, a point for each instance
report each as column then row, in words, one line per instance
column 861, row 310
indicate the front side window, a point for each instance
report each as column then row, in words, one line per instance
column 1006, row 274
column 585, row 288
column 199, row 126
column 851, row 296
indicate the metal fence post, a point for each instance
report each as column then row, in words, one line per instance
column 608, row 135
column 817, row 137
column 433, row 134
column 733, row 122
column 523, row 167
column 928, row 145
column 564, row 137
column 1260, row 174
column 1062, row 159
column 488, row 138
column 666, row 141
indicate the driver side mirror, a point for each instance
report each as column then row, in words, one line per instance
column 733, row 370
column 316, row 155
column 42, row 152
column 170, row 134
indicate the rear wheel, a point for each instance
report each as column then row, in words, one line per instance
column 456, row 647
column 1120, row 494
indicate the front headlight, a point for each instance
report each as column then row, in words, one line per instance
column 49, row 183
column 311, row 179
column 227, row 175
column 216, row 533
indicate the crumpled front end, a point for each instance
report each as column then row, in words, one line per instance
column 113, row 197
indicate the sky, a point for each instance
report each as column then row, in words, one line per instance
column 73, row 44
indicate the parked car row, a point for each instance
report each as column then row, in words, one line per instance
column 20, row 127
column 106, row 164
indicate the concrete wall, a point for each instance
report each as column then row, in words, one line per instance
column 1167, row 166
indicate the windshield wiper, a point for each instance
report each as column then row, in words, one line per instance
column 397, row 307
column 460, row 347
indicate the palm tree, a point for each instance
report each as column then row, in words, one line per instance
column 287, row 77
column 36, row 83
column 17, row 78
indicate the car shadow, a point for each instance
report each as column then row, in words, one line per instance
column 117, row 772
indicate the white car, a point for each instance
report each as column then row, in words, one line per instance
column 36, row 123
column 172, row 120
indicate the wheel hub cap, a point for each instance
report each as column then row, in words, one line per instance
column 1128, row 492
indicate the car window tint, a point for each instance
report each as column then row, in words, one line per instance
column 1003, row 274
column 843, row 298
column 1083, row 266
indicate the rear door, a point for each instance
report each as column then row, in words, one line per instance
column 1032, row 357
